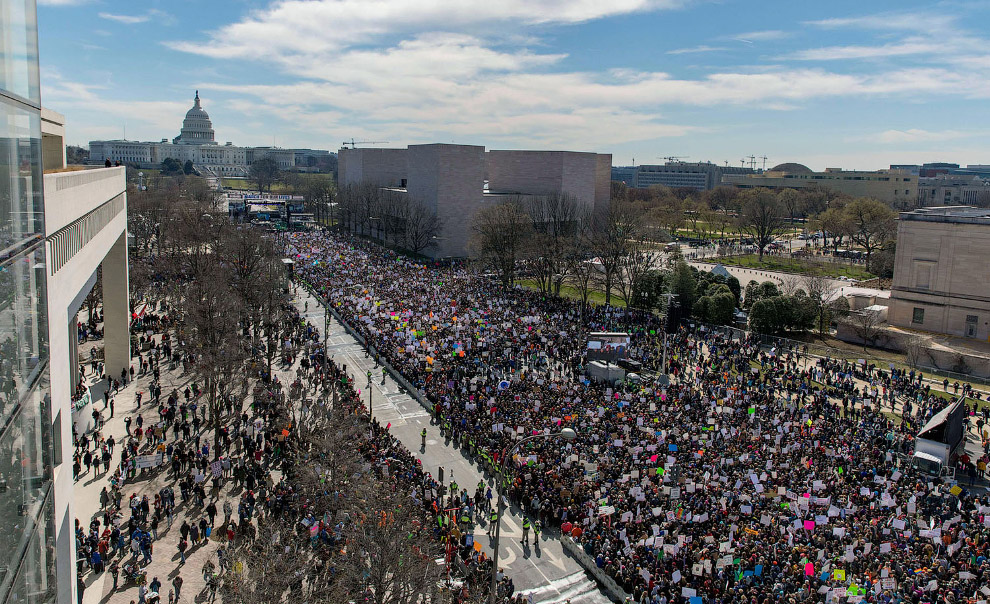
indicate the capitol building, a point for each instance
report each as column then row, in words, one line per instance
column 196, row 142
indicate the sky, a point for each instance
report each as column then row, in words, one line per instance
column 853, row 85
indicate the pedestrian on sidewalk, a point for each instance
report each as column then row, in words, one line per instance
column 177, row 584
column 182, row 546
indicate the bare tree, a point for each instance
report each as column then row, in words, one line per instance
column 792, row 202
column 632, row 268
column 264, row 173
column 915, row 348
column 611, row 237
column 761, row 218
column 422, row 228
column 554, row 225
column 320, row 192
column 867, row 325
column 871, row 224
column 500, row 233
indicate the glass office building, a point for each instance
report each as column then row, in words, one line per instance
column 27, row 532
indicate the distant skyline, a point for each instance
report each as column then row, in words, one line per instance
column 854, row 85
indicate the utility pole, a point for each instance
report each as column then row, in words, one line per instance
column 669, row 296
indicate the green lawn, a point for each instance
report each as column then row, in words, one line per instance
column 713, row 230
column 568, row 291
column 797, row 266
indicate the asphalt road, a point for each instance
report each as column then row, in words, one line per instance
column 547, row 572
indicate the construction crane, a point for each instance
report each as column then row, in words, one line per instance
column 353, row 143
column 764, row 158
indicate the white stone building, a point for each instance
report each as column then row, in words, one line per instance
column 197, row 143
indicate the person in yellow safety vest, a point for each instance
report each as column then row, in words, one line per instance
column 492, row 521
column 525, row 537
column 423, row 434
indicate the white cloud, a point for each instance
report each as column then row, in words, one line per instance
column 913, row 21
column 68, row 96
column 127, row 19
column 158, row 16
column 761, row 36
column 915, row 135
column 835, row 53
column 695, row 49
column 313, row 27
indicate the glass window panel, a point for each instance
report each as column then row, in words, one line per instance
column 25, row 468
column 22, row 213
column 23, row 327
column 19, row 49
column 35, row 580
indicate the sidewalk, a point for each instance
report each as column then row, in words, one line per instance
column 166, row 561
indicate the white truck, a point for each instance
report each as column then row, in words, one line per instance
column 600, row 371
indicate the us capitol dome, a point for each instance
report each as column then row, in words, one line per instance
column 197, row 129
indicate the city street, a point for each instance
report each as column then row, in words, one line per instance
column 547, row 572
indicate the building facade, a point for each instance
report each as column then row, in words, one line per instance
column 941, row 252
column 197, row 143
column 27, row 467
column 899, row 188
column 953, row 189
column 455, row 181
column 701, row 176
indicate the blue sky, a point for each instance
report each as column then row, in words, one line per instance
column 829, row 84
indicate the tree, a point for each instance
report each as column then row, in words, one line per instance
column 611, row 240
column 717, row 305
column 554, row 220
column 761, row 218
column 765, row 316
column 871, row 224
column 171, row 166
column 792, row 201
column 500, row 232
column 320, row 191
column 648, row 286
column 187, row 168
column 756, row 291
column 914, row 349
column 684, row 286
column 422, row 227
column 823, row 294
column 835, row 224
column 867, row 325
column 264, row 173
column 631, row 270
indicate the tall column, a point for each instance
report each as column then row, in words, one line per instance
column 116, row 309
column 74, row 350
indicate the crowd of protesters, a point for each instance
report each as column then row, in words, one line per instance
column 756, row 475
column 254, row 452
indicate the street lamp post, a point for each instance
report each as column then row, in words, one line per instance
column 567, row 434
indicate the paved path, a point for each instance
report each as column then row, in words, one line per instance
column 548, row 572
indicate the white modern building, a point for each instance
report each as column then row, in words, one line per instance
column 56, row 229
column 197, row 143
column 85, row 228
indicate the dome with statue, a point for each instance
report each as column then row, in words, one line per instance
column 197, row 129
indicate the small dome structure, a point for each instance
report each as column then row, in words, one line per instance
column 197, row 129
column 791, row 168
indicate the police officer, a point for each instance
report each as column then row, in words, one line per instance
column 423, row 434
column 525, row 537
column 369, row 378
column 492, row 521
